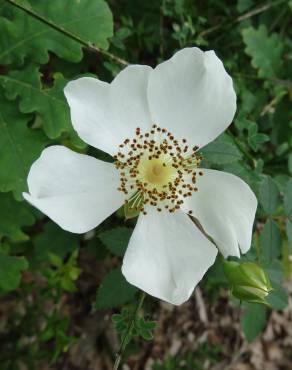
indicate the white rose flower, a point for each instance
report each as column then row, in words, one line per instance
column 152, row 121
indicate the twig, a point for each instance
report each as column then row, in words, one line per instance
column 128, row 332
column 72, row 36
column 241, row 18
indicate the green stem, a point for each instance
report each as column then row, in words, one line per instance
column 72, row 36
column 127, row 335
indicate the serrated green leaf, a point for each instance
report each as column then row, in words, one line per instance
column 269, row 195
column 10, row 271
column 114, row 291
column 19, row 148
column 253, row 321
column 270, row 241
column 54, row 240
column 29, row 38
column 221, row 153
column 13, row 216
column 288, row 198
column 264, row 49
column 49, row 103
column 116, row 240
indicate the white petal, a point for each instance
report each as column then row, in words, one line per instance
column 192, row 95
column 225, row 206
column 167, row 255
column 105, row 114
column 75, row 190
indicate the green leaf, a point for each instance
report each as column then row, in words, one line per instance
column 114, row 291
column 290, row 163
column 116, row 240
column 270, row 241
column 253, row 321
column 265, row 50
column 269, row 195
column 289, row 234
column 50, row 103
column 288, row 198
column 54, row 240
column 19, row 148
column 278, row 298
column 29, row 38
column 221, row 153
column 10, row 271
column 13, row 216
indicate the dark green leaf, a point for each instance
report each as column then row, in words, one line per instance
column 278, row 298
column 114, row 291
column 288, row 198
column 221, row 153
column 270, row 241
column 253, row 321
column 54, row 240
column 289, row 234
column 116, row 240
column 13, row 216
column 10, row 271
column 19, row 148
column 50, row 104
column 269, row 195
column 27, row 37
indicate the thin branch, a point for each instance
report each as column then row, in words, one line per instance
column 128, row 332
column 241, row 18
column 70, row 35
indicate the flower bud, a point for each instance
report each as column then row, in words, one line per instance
column 248, row 281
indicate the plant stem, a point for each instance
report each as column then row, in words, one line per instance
column 127, row 336
column 72, row 36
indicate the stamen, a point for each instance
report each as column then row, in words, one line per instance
column 157, row 170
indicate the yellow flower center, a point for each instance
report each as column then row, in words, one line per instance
column 157, row 170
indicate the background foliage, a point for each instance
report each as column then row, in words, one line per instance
column 37, row 258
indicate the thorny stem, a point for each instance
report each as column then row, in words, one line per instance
column 72, row 36
column 127, row 335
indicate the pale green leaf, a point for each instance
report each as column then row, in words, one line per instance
column 264, row 49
